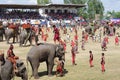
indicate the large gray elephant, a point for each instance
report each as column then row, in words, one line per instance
column 10, row 33
column 24, row 37
column 2, row 32
column 6, row 70
column 47, row 53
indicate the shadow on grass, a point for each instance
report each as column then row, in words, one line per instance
column 44, row 73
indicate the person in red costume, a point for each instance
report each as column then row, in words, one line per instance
column 106, row 39
column 56, row 34
column 103, row 63
column 36, row 30
column 116, row 40
column 104, row 45
column 59, row 68
column 91, row 59
column 72, row 43
column 11, row 56
column 74, row 51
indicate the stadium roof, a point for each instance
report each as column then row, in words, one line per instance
column 67, row 5
column 21, row 6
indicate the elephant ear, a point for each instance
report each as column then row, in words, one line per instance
column 59, row 50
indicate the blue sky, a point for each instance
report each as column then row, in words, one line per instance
column 108, row 4
column 111, row 5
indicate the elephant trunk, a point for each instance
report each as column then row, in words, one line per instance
column 25, row 76
column 63, row 57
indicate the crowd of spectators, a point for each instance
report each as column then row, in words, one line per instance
column 17, row 14
column 63, row 16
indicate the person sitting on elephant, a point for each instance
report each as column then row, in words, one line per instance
column 28, row 29
column 11, row 56
column 59, row 68
column 13, row 27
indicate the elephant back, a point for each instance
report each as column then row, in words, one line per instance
column 9, row 31
column 6, row 70
column 24, row 32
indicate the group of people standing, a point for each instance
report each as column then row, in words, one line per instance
column 58, row 40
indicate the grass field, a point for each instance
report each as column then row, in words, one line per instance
column 81, row 71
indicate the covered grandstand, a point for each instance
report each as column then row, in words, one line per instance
column 37, row 12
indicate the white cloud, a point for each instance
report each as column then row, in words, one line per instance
column 18, row 1
column 9, row 1
column 111, row 5
column 32, row 1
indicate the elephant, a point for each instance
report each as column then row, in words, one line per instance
column 10, row 33
column 2, row 32
column 44, row 53
column 6, row 70
column 24, row 37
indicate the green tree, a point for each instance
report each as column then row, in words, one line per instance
column 43, row 2
column 92, row 8
column 117, row 15
column 95, row 7
column 113, row 14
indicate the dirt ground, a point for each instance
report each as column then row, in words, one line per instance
column 81, row 71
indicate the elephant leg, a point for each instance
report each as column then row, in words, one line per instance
column 47, row 66
column 21, row 42
column 13, row 39
column 35, row 65
column 30, row 40
column 17, row 39
column 2, row 38
column 50, row 68
column 7, row 40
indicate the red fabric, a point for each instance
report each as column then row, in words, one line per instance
column 11, row 56
column 86, row 37
column 57, row 35
column 45, row 37
column 76, row 37
column 12, row 26
column 26, row 26
column 106, row 39
column 73, row 55
column 103, row 63
column 72, row 43
column 103, row 67
column 59, row 67
column 104, row 44
column 91, row 59
column 73, row 58
column 10, row 53
column 116, row 40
